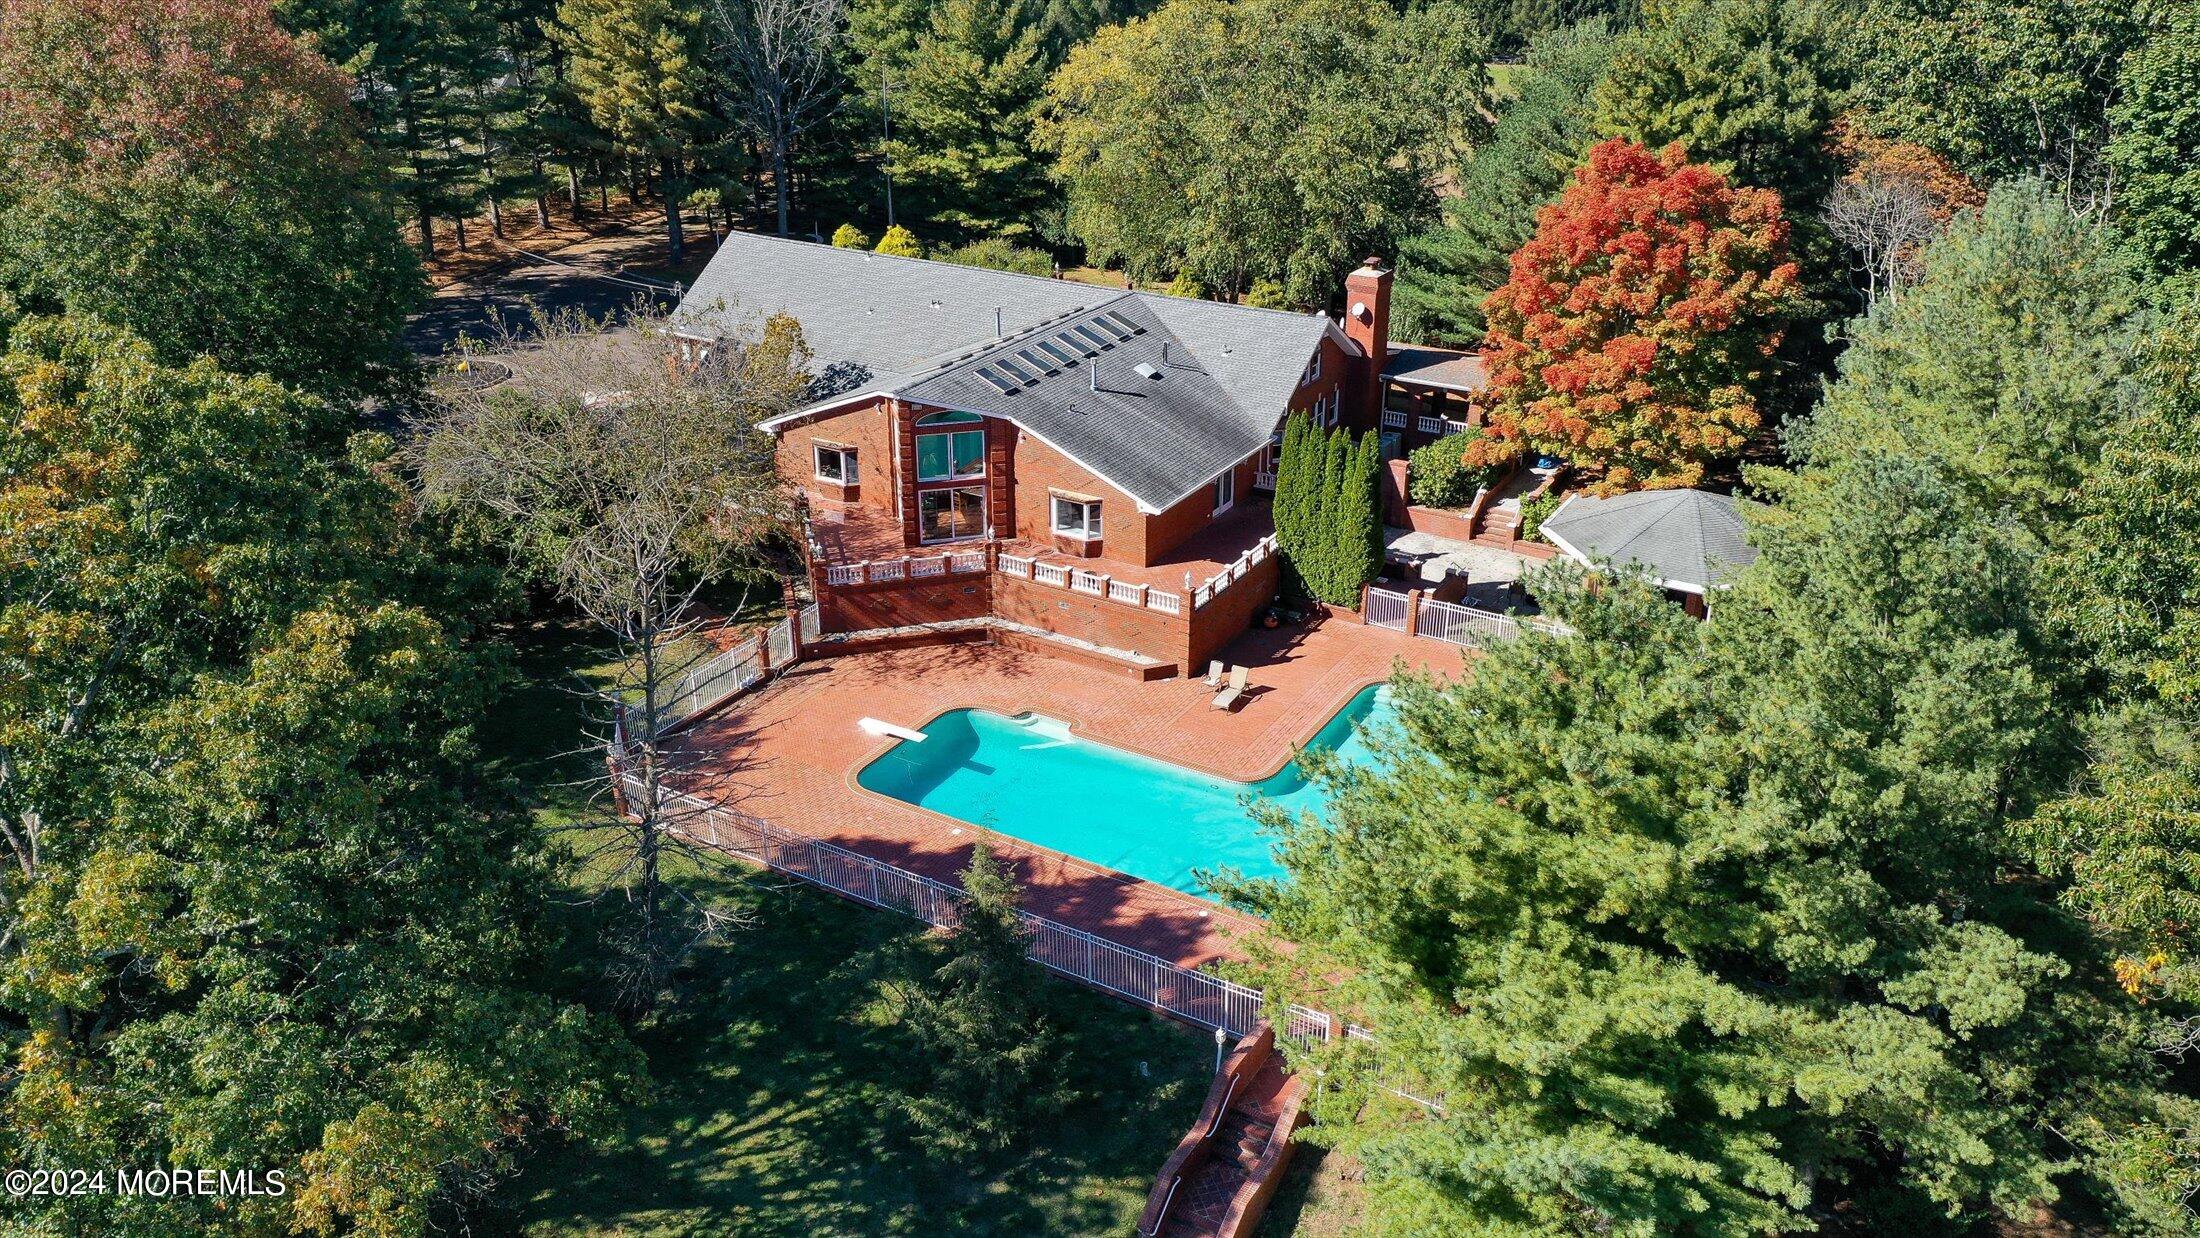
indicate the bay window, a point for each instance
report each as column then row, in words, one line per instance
column 1077, row 518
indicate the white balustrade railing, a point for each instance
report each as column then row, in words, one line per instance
column 1394, row 419
column 1234, row 571
column 1029, row 567
column 1264, row 479
column 1428, row 425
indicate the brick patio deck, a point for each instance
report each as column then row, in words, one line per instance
column 789, row 754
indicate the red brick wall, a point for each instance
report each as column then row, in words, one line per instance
column 869, row 429
column 1111, row 625
column 1040, row 470
column 901, row 603
column 1225, row 618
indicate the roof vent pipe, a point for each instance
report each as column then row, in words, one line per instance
column 1092, row 372
column 997, row 331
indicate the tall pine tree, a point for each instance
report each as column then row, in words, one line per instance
column 962, row 121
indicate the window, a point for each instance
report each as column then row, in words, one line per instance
column 951, row 456
column 1313, row 369
column 1077, row 517
column 1225, row 491
column 836, row 464
column 950, row 515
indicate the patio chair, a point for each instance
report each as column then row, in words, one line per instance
column 1214, row 675
column 1228, row 698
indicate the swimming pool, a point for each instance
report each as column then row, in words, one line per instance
column 1031, row 778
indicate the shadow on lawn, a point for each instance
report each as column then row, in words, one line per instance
column 773, row 1080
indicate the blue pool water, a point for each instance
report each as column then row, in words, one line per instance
column 1030, row 777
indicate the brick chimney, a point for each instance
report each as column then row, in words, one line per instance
column 1367, row 323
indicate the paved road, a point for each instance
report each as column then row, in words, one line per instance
column 599, row 276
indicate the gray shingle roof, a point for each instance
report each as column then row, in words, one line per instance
column 1688, row 539
column 1143, row 411
column 1447, row 368
column 925, row 330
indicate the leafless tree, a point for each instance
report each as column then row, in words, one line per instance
column 630, row 477
column 1883, row 221
column 784, row 73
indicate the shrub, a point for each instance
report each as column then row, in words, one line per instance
column 900, row 242
column 1186, row 285
column 1267, row 294
column 1437, row 475
column 1534, row 512
column 1000, row 255
column 848, row 236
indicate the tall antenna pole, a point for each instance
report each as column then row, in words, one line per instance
column 886, row 122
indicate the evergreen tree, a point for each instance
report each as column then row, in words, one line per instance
column 417, row 64
column 1664, row 910
column 1446, row 272
column 962, row 122
column 1749, row 87
column 1328, row 568
column 1353, row 529
column 977, row 1029
column 637, row 67
column 848, row 236
column 1291, row 487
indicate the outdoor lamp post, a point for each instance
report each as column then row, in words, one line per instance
column 1222, row 1037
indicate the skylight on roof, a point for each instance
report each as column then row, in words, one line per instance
column 1037, row 362
column 1010, row 368
column 1000, row 384
column 1112, row 328
column 1066, row 356
column 1077, row 345
column 1090, row 334
column 1125, row 321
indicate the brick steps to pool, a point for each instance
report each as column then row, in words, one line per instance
column 1226, row 1168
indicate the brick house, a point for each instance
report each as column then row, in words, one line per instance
column 1075, row 466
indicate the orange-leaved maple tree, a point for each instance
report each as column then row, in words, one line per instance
column 1638, row 322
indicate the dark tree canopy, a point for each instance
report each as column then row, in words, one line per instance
column 193, row 173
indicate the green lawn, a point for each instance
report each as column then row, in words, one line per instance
column 773, row 1075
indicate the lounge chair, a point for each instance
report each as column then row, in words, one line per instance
column 1230, row 696
column 1214, row 675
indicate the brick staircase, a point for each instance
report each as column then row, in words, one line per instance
column 1219, row 1180
column 1499, row 528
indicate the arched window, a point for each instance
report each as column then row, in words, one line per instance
column 948, row 419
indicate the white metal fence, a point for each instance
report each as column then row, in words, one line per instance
column 735, row 670
column 1386, row 609
column 1194, row 996
column 1449, row 621
column 712, row 680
